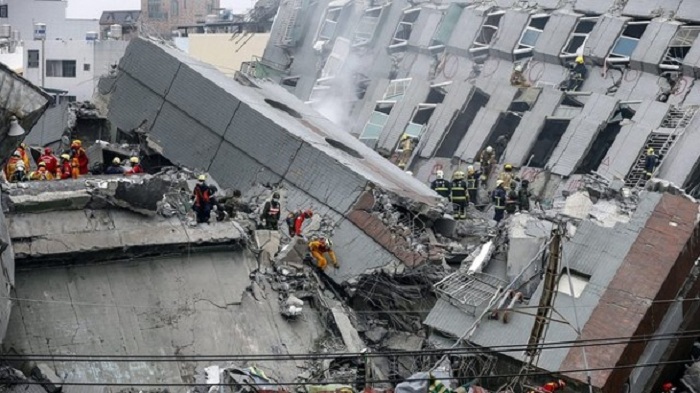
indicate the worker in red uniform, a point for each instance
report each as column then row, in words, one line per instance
column 202, row 199
column 78, row 152
column 65, row 170
column 135, row 166
column 553, row 386
column 50, row 160
column 295, row 222
column 24, row 153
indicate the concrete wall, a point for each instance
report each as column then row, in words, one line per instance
column 226, row 52
column 188, row 13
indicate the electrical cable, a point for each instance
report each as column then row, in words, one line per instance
column 308, row 383
column 310, row 356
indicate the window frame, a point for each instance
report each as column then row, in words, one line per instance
column 33, row 63
column 50, row 71
column 338, row 11
column 4, row 11
column 569, row 55
column 485, row 46
column 398, row 43
column 154, row 10
column 525, row 49
column 362, row 38
column 667, row 63
column 616, row 58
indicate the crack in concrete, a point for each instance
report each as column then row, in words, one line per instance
column 224, row 307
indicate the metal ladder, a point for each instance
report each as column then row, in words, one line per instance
column 676, row 118
column 289, row 22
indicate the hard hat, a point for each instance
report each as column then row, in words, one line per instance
column 275, row 195
column 16, row 153
column 116, row 161
column 519, row 67
column 20, row 166
column 134, row 160
column 458, row 175
column 499, row 182
column 48, row 151
column 668, row 386
column 440, row 174
column 489, row 149
column 76, row 142
column 508, row 167
column 23, row 145
column 650, row 150
column 309, row 213
column 65, row 156
column 329, row 243
column 470, row 169
column 202, row 177
column 42, row 163
column 579, row 59
column 404, row 137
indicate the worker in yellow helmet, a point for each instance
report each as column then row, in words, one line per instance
column 507, row 176
column 406, row 147
column 650, row 162
column 320, row 247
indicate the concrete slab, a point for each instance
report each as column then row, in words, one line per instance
column 653, row 44
column 555, row 35
column 595, row 7
column 603, row 35
column 466, row 31
column 688, row 11
column 651, row 8
column 511, row 29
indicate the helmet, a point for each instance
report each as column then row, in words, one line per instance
column 16, row 153
column 499, row 183
column 20, row 166
column 134, row 160
column 116, row 161
column 489, row 149
column 470, row 169
column 650, row 150
column 508, row 167
column 308, row 213
column 458, row 175
column 667, row 387
column 23, row 145
column 42, row 163
column 202, row 177
column 275, row 195
column 440, row 174
column 329, row 243
column 76, row 142
column 524, row 183
column 404, row 137
column 48, row 151
column 65, row 156
column 579, row 60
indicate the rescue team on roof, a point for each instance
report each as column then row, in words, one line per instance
column 72, row 165
column 204, row 200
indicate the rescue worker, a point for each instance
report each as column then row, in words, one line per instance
column 668, row 388
column 11, row 165
column 511, row 201
column 19, row 174
column 650, row 162
column 473, row 184
column 578, row 75
column 215, row 205
column 506, row 176
column 406, row 146
column 270, row 216
column 65, row 170
column 499, row 199
column 50, row 160
column 320, row 247
column 115, row 168
column 25, row 154
column 486, row 159
column 440, row 185
column 202, row 199
column 78, row 152
column 295, row 222
column 553, row 386
column 75, row 167
column 42, row 173
column 459, row 197
column 524, row 196
column 517, row 78
column 236, row 204
column 135, row 166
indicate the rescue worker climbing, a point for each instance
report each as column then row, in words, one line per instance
column 473, row 184
column 42, row 173
column 65, row 170
column 115, row 168
column 524, row 195
column 24, row 154
column 78, row 152
column 406, row 145
column 553, row 386
column 440, row 185
column 517, row 78
column 499, row 199
column 50, row 160
column 459, row 197
column 650, row 162
column 202, row 199
column 506, row 176
column 11, row 165
column 320, row 247
column 270, row 216
column 577, row 75
column 295, row 222
column 487, row 159
column 135, row 166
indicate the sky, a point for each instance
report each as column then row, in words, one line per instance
column 92, row 9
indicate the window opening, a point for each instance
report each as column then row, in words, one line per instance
column 572, row 283
column 604, row 140
column 174, row 8
column 375, row 125
column 547, row 141
column 335, row 60
column 396, row 89
column 627, row 42
column 486, row 34
column 692, row 186
column 330, row 23
column 530, row 35
column 502, row 131
column 679, row 47
column 461, row 123
column 404, row 29
column 367, row 26
column 154, row 9
column 60, row 68
column 447, row 25
column 32, row 59
column 577, row 39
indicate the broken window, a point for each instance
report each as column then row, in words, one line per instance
column 375, row 125
column 404, row 29
column 502, row 131
column 679, row 47
column 604, row 140
column 529, row 38
column 574, row 46
column 547, row 141
column 447, row 25
column 327, row 29
column 396, row 89
column 572, row 283
column 335, row 60
column 627, row 42
column 461, row 123
column 486, row 34
column 367, row 26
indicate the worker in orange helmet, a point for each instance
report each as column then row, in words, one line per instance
column 554, row 386
column 24, row 153
column 320, row 247
column 78, row 152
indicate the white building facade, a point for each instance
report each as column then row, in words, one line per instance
column 21, row 15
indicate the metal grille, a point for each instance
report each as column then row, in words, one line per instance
column 467, row 291
column 678, row 117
